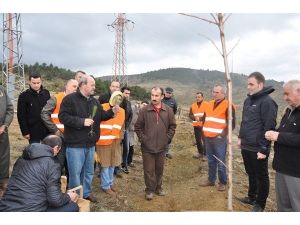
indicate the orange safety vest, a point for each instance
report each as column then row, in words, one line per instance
column 111, row 129
column 215, row 119
column 198, row 111
column 54, row 116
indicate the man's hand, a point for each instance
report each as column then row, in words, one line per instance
column 59, row 133
column 88, row 122
column 239, row 143
column 197, row 118
column 73, row 196
column 2, row 129
column 271, row 135
column 116, row 109
column 27, row 136
column 261, row 156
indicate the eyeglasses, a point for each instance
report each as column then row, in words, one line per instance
column 169, row 92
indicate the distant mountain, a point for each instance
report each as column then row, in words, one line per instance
column 186, row 82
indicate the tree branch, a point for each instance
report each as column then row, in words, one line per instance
column 213, row 44
column 200, row 18
column 233, row 47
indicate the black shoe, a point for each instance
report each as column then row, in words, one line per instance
column 169, row 156
column 257, row 208
column 125, row 170
column 247, row 200
column 91, row 198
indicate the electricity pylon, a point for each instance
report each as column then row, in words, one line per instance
column 119, row 60
column 13, row 77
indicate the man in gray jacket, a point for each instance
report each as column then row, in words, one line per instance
column 6, row 117
column 49, row 115
column 155, row 128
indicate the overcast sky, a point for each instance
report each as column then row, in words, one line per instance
column 269, row 43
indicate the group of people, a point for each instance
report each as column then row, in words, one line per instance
column 71, row 130
column 257, row 131
column 83, row 126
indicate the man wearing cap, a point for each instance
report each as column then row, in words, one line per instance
column 171, row 102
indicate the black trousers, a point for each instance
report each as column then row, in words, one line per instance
column 130, row 154
column 199, row 140
column 258, row 175
column 4, row 158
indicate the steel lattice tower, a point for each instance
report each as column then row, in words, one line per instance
column 13, row 77
column 119, row 60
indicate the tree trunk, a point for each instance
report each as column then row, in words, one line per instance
column 229, row 91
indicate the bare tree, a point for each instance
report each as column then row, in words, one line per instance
column 219, row 19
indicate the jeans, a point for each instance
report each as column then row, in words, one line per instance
column 258, row 176
column 107, row 177
column 69, row 207
column 216, row 146
column 125, row 149
column 81, row 168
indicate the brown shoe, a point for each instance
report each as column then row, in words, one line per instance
column 91, row 198
column 206, row 183
column 113, row 188
column 221, row 187
column 160, row 193
column 109, row 191
column 149, row 196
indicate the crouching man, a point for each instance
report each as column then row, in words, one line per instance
column 34, row 185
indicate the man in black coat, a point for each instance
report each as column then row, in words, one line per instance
column 128, row 118
column 287, row 151
column 34, row 185
column 81, row 115
column 170, row 101
column 259, row 115
column 30, row 105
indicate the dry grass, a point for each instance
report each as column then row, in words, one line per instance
column 181, row 178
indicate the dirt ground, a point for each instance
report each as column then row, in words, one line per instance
column 182, row 176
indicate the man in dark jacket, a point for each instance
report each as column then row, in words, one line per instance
column 155, row 128
column 30, row 105
column 81, row 114
column 6, row 117
column 259, row 115
column 34, row 185
column 287, row 151
column 170, row 101
column 128, row 118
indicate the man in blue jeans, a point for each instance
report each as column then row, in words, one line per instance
column 215, row 131
column 81, row 114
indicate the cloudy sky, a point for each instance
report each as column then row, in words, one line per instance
column 268, row 43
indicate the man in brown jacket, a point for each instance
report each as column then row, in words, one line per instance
column 155, row 128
